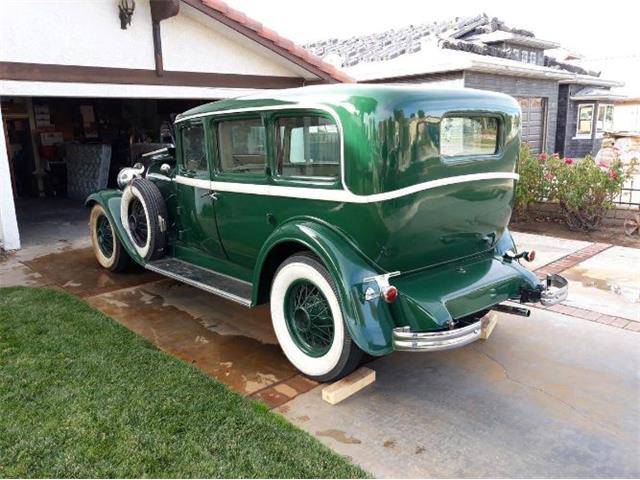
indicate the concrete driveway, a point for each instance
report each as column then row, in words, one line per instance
column 545, row 396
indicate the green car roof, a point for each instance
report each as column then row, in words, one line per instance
column 366, row 98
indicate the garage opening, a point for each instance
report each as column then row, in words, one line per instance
column 533, row 122
column 62, row 149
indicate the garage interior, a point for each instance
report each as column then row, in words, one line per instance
column 62, row 149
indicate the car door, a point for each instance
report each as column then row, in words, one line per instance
column 240, row 179
column 197, row 231
column 252, row 191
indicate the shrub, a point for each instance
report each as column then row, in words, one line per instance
column 583, row 189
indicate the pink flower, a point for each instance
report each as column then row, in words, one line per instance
column 568, row 161
column 543, row 157
column 555, row 156
column 613, row 174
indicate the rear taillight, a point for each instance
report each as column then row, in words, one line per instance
column 389, row 294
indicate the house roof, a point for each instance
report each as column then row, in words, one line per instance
column 270, row 39
column 474, row 37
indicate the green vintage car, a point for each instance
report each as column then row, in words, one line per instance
column 372, row 218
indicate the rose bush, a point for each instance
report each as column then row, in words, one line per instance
column 584, row 189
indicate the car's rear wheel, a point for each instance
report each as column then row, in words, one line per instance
column 106, row 246
column 308, row 321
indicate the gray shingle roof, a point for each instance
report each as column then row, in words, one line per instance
column 457, row 34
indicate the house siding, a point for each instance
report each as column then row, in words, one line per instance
column 579, row 147
column 522, row 87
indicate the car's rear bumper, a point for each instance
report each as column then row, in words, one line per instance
column 555, row 290
column 552, row 290
column 406, row 340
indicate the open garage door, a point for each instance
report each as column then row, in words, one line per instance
column 533, row 121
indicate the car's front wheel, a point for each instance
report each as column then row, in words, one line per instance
column 106, row 245
column 308, row 321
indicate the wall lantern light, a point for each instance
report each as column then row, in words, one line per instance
column 126, row 8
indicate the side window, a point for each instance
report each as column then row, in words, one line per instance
column 307, row 146
column 585, row 120
column 194, row 153
column 242, row 146
column 465, row 136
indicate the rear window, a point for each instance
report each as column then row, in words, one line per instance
column 468, row 136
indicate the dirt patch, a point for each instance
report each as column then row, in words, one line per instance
column 606, row 234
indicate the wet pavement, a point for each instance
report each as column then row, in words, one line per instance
column 608, row 283
column 195, row 327
column 545, row 396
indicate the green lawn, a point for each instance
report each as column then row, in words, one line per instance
column 81, row 396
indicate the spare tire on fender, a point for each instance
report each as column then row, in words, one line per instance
column 144, row 217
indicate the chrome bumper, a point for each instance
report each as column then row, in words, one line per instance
column 555, row 290
column 406, row 340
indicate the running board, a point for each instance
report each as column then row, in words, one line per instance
column 213, row 282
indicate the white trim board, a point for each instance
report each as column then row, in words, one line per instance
column 112, row 90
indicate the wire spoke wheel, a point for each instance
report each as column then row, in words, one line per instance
column 104, row 236
column 138, row 222
column 309, row 319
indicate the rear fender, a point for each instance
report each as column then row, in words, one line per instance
column 110, row 200
column 369, row 322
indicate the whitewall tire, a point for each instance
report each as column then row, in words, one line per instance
column 308, row 321
column 106, row 246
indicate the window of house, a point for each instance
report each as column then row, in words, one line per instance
column 585, row 119
column 525, row 56
column 242, row 146
column 307, row 146
column 194, row 153
column 533, row 57
column 465, row 136
column 515, row 53
column 605, row 118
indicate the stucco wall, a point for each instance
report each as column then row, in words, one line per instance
column 521, row 87
column 193, row 42
column 88, row 33
column 75, row 33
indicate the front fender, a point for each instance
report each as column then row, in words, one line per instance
column 369, row 323
column 110, row 200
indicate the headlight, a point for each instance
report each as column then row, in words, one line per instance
column 126, row 175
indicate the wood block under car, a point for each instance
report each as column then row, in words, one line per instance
column 344, row 388
column 489, row 322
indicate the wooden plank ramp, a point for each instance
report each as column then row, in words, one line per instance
column 489, row 322
column 347, row 386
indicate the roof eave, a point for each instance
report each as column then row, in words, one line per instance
column 595, row 81
column 517, row 71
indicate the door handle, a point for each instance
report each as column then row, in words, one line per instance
column 211, row 194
